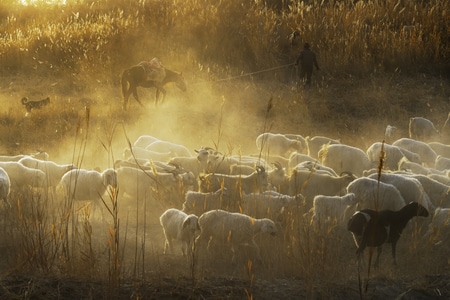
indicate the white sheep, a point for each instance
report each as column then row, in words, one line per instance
column 427, row 154
column 5, row 185
column 23, row 177
column 410, row 188
column 235, row 229
column 422, row 129
column 167, row 188
column 372, row 194
column 88, row 185
column 198, row 203
column 269, row 204
column 219, row 163
column 315, row 167
column 196, row 165
column 144, row 140
column 137, row 152
column 52, row 170
column 442, row 163
column 168, row 147
column 296, row 158
column 438, row 192
column 390, row 133
column 439, row 227
column 236, row 184
column 311, row 184
column 441, row 178
column 392, row 155
column 279, row 144
column 440, row 148
column 332, row 209
column 406, row 165
column 345, row 158
column 278, row 179
column 180, row 227
column 316, row 142
column 38, row 155
column 134, row 182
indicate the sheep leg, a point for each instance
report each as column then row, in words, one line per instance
column 379, row 249
column 258, row 252
column 394, row 244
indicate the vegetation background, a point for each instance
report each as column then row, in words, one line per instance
column 382, row 62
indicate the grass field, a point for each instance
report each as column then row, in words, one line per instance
column 381, row 63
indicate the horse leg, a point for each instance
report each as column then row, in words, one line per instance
column 135, row 95
column 159, row 91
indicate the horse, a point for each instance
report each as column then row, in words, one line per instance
column 137, row 76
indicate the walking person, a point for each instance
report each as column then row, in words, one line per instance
column 306, row 60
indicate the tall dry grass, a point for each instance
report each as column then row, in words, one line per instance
column 225, row 37
column 213, row 40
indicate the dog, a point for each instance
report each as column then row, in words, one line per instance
column 32, row 104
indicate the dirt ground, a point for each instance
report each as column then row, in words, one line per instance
column 228, row 116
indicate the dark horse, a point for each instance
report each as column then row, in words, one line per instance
column 137, row 76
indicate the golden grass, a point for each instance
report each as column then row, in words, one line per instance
column 365, row 52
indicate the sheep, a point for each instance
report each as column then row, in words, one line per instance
column 393, row 155
column 278, row 179
column 269, row 204
column 315, row 167
column 375, row 195
column 422, row 129
column 332, row 208
column 196, row 165
column 219, row 163
column 439, row 225
column 52, row 170
column 198, row 203
column 372, row 228
column 427, row 154
column 38, row 155
column 410, row 188
column 279, row 144
column 23, row 177
column 181, row 227
column 438, row 192
column 5, row 186
column 315, row 144
column 405, row 165
column 441, row 178
column 311, row 184
column 440, row 148
column 442, row 163
column 134, row 182
column 299, row 138
column 283, row 161
column 390, row 133
column 144, row 140
column 223, row 227
column 341, row 157
column 238, row 169
column 168, row 188
column 168, row 147
column 236, row 184
column 296, row 158
column 88, row 185
column 137, row 152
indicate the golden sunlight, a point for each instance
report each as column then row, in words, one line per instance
column 42, row 2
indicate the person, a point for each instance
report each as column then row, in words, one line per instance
column 306, row 60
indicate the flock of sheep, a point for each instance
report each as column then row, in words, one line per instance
column 214, row 199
